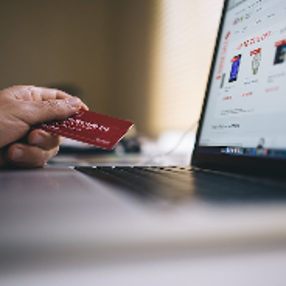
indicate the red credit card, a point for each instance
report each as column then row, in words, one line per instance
column 90, row 127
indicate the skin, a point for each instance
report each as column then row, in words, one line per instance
column 22, row 107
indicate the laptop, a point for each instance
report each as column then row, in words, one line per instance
column 232, row 194
column 241, row 128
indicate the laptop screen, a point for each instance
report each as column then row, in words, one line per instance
column 245, row 114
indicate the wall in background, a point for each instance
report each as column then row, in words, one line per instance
column 133, row 24
column 57, row 41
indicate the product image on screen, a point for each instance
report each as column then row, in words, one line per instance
column 222, row 81
column 280, row 53
column 256, row 59
column 234, row 68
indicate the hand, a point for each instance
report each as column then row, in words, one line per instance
column 21, row 107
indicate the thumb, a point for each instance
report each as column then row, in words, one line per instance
column 50, row 110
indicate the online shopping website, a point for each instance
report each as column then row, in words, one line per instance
column 246, row 107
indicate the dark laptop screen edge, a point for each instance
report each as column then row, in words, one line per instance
column 227, row 162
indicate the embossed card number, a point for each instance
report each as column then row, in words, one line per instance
column 90, row 127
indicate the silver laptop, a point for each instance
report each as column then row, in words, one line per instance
column 233, row 192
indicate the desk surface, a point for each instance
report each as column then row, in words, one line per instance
column 264, row 265
column 265, row 268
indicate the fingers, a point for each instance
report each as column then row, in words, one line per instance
column 25, row 106
column 29, row 156
column 51, row 94
column 42, row 147
column 48, row 93
column 33, row 93
column 84, row 106
column 42, row 111
column 41, row 104
column 44, row 94
column 43, row 139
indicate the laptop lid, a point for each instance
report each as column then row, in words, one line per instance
column 243, row 119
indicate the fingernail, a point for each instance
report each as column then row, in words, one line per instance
column 85, row 106
column 38, row 139
column 17, row 154
column 74, row 102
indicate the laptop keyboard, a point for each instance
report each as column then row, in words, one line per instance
column 177, row 183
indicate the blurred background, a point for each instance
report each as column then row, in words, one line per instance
column 145, row 61
column 141, row 60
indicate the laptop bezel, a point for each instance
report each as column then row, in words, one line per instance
column 226, row 162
